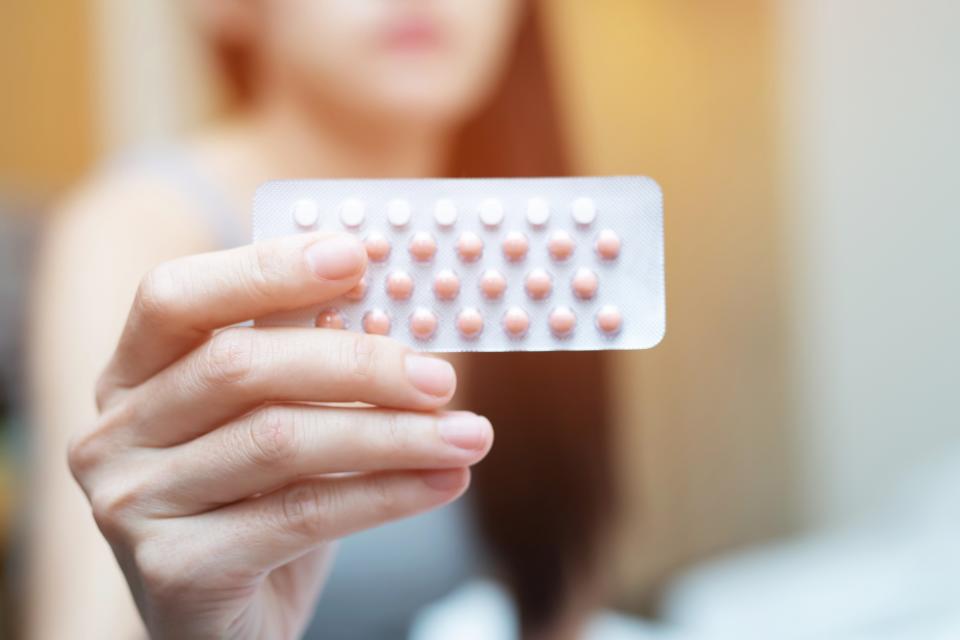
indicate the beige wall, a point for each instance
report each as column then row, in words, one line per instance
column 873, row 182
column 684, row 92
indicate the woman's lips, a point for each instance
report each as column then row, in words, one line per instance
column 413, row 34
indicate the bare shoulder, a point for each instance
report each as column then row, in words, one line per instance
column 104, row 237
column 132, row 212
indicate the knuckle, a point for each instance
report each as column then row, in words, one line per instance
column 90, row 446
column 358, row 357
column 399, row 438
column 112, row 506
column 265, row 268
column 306, row 509
column 83, row 453
column 272, row 436
column 158, row 295
column 229, row 357
column 102, row 392
column 384, row 501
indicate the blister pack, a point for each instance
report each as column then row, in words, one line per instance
column 505, row 264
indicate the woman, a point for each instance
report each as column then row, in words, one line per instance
column 206, row 471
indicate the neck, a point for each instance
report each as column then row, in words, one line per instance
column 302, row 143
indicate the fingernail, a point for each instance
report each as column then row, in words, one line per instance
column 336, row 257
column 431, row 375
column 465, row 430
column 443, row 480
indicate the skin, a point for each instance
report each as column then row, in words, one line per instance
column 211, row 472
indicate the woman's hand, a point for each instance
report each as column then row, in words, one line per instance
column 217, row 483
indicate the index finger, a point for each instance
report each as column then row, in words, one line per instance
column 179, row 303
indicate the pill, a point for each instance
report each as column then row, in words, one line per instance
column 423, row 324
column 399, row 285
column 352, row 212
column 562, row 320
column 585, row 283
column 609, row 319
column 491, row 212
column 516, row 322
column 515, row 246
column 376, row 321
column 378, row 247
column 469, row 246
column 560, row 245
column 538, row 212
column 358, row 292
column 330, row 319
column 538, row 284
column 445, row 212
column 469, row 323
column 306, row 213
column 584, row 211
column 608, row 245
column 398, row 212
column 446, row 285
column 423, row 247
column 492, row 284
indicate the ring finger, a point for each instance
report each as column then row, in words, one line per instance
column 243, row 368
column 280, row 444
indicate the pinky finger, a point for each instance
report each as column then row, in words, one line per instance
column 262, row 533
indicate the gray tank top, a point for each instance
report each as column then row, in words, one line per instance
column 383, row 576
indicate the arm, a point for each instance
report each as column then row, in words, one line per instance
column 97, row 248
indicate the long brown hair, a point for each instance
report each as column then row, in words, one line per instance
column 544, row 496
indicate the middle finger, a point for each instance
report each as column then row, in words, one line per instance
column 280, row 444
column 242, row 368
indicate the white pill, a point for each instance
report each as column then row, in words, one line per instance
column 445, row 212
column 584, row 211
column 398, row 213
column 352, row 212
column 306, row 213
column 491, row 212
column 538, row 212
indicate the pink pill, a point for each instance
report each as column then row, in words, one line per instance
column 358, row 292
column 446, row 286
column 515, row 246
column 423, row 324
column 399, row 285
column 378, row 247
column 608, row 245
column 560, row 245
column 469, row 247
column 562, row 321
column 469, row 323
column 492, row 284
column 423, row 247
column 539, row 284
column 330, row 319
column 609, row 320
column 516, row 322
column 585, row 284
column 377, row 322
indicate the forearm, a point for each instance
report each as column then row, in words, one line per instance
column 76, row 589
column 85, row 280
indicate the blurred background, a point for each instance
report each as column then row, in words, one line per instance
column 809, row 151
